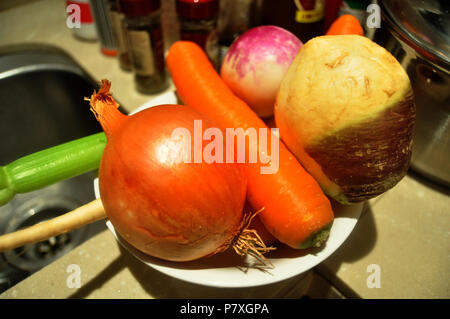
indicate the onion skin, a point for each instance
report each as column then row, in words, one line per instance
column 346, row 109
column 255, row 64
column 171, row 210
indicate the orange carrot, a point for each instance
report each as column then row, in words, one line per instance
column 295, row 210
column 346, row 24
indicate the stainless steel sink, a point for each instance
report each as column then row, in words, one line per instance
column 41, row 105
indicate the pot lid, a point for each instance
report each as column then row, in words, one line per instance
column 426, row 23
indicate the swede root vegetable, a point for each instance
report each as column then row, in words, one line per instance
column 345, row 108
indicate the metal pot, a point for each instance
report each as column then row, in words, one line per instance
column 417, row 34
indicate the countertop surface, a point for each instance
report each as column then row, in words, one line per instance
column 402, row 236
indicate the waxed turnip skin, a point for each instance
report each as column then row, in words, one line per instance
column 345, row 108
column 173, row 211
column 255, row 64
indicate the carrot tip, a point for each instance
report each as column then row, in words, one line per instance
column 318, row 238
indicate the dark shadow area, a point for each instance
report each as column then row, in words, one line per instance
column 359, row 244
column 109, row 272
column 321, row 288
column 362, row 239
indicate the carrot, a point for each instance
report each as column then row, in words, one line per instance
column 345, row 24
column 295, row 210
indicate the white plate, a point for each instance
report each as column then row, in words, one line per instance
column 229, row 270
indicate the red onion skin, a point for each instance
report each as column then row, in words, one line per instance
column 173, row 211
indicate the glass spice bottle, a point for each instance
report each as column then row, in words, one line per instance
column 145, row 43
column 304, row 18
column 235, row 18
column 198, row 23
column 118, row 30
column 103, row 24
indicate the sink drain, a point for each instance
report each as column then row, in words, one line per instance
column 34, row 256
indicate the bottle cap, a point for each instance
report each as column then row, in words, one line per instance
column 139, row 8
column 197, row 9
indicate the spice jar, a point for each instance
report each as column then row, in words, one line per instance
column 304, row 18
column 235, row 18
column 198, row 23
column 117, row 17
column 145, row 43
column 104, row 27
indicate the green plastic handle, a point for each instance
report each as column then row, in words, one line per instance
column 51, row 165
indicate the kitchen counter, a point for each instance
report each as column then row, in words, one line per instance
column 402, row 235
